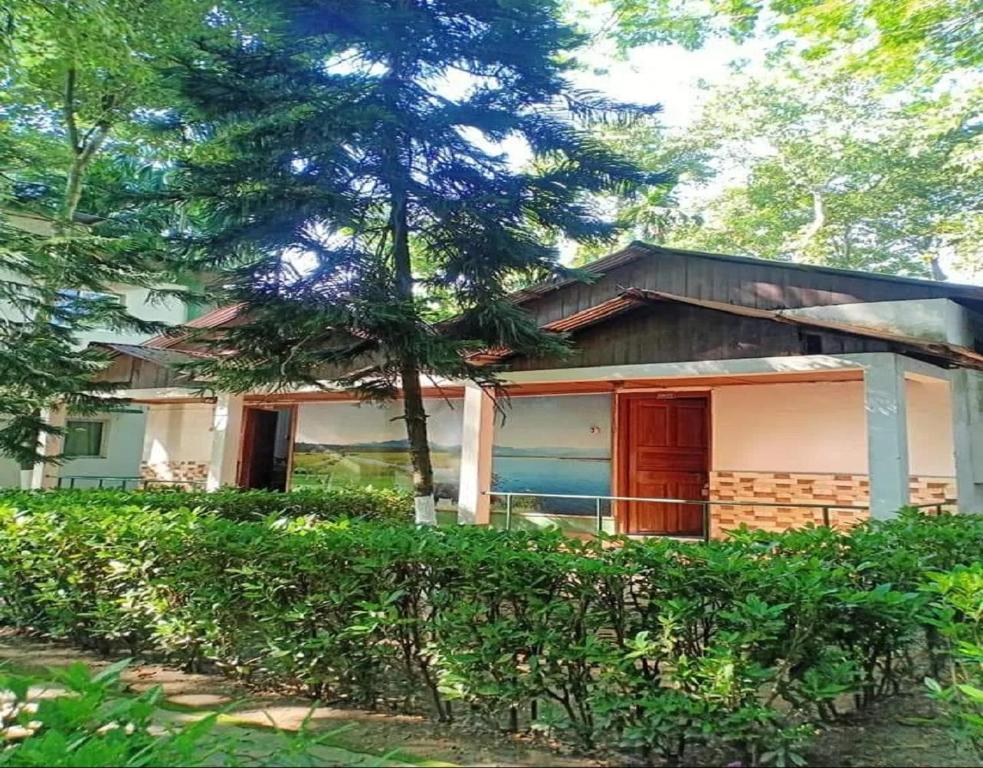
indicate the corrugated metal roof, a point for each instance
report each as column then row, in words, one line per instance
column 595, row 314
column 962, row 355
column 214, row 319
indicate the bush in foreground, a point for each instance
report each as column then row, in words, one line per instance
column 233, row 503
column 745, row 645
column 72, row 717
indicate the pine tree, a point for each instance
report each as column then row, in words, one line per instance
column 356, row 191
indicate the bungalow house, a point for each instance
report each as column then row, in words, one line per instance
column 742, row 390
column 102, row 447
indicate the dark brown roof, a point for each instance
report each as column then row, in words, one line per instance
column 634, row 297
column 639, row 250
column 156, row 355
column 214, row 319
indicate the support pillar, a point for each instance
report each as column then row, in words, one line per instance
column 44, row 475
column 967, row 437
column 885, row 403
column 477, row 434
column 226, row 441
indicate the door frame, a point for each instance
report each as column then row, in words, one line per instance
column 619, row 440
column 247, row 438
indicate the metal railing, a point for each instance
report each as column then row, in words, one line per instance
column 121, row 482
column 116, row 481
column 704, row 504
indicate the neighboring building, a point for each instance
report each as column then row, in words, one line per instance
column 759, row 391
column 105, row 445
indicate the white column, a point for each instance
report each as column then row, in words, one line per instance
column 226, row 441
column 887, row 435
column 967, row 437
column 44, row 475
column 473, row 504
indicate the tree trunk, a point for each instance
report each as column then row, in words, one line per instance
column 814, row 227
column 414, row 411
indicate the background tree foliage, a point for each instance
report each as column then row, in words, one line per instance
column 859, row 145
column 896, row 40
column 82, row 80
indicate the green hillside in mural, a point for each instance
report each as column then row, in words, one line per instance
column 384, row 464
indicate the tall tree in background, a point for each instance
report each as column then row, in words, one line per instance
column 830, row 174
column 353, row 163
column 80, row 78
column 894, row 41
column 857, row 146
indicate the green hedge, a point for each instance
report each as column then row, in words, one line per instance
column 655, row 646
column 235, row 504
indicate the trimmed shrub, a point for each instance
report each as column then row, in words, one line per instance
column 957, row 612
column 655, row 646
column 233, row 503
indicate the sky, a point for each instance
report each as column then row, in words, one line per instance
column 348, row 423
column 556, row 422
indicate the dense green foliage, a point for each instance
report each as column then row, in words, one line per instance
column 846, row 133
column 234, row 504
column 958, row 615
column 91, row 723
column 82, row 86
column 72, row 717
column 745, row 645
column 354, row 189
column 895, row 40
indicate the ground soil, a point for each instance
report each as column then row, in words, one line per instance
column 898, row 732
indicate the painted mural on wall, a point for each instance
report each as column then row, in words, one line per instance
column 341, row 444
column 554, row 444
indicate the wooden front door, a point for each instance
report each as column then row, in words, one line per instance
column 664, row 453
column 258, row 436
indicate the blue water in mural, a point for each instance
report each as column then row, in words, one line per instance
column 589, row 477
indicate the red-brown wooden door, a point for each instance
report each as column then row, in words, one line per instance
column 256, row 459
column 664, row 454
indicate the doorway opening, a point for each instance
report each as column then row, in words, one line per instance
column 266, row 438
column 664, row 453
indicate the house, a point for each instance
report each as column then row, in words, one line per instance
column 103, row 447
column 744, row 390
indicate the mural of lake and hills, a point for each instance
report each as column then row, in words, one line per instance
column 341, row 444
column 546, row 445
column 555, row 445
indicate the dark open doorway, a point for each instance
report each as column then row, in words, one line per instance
column 265, row 457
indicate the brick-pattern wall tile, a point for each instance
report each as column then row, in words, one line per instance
column 190, row 473
column 794, row 488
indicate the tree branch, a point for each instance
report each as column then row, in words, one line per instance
column 69, row 110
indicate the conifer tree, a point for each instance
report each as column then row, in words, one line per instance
column 356, row 191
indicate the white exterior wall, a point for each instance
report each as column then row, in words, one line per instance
column 123, row 441
column 123, row 446
column 821, row 427
column 138, row 303
column 177, row 443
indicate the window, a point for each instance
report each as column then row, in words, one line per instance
column 813, row 344
column 84, row 439
column 75, row 303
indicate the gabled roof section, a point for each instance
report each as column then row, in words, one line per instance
column 638, row 250
column 214, row 319
column 156, row 355
column 962, row 355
